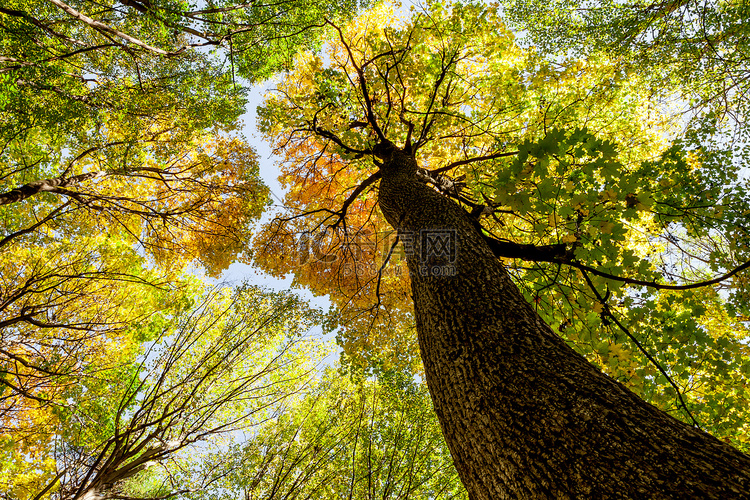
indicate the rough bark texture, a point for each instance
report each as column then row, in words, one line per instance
column 523, row 414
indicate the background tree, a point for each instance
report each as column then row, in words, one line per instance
column 195, row 203
column 579, row 176
column 72, row 311
column 693, row 51
column 126, row 96
column 120, row 165
column 337, row 438
column 221, row 364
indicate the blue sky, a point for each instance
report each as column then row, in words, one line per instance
column 269, row 172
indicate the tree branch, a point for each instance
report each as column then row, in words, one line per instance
column 357, row 191
column 31, row 228
column 363, row 86
column 108, row 29
column 32, row 188
column 558, row 253
column 472, row 160
column 658, row 286
column 561, row 254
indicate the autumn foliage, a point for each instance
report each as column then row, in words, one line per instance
column 615, row 226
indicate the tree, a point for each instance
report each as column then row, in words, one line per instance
column 120, row 167
column 78, row 298
column 579, row 176
column 123, row 96
column 72, row 311
column 195, row 203
column 696, row 49
column 112, row 107
column 337, row 438
column 221, row 364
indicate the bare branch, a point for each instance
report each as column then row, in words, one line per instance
column 365, row 92
column 34, row 226
column 660, row 286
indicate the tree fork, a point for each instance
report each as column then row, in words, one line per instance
column 523, row 414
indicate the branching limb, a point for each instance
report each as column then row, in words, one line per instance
column 108, row 29
column 34, row 226
column 355, row 194
column 365, row 92
column 467, row 161
column 32, row 188
column 326, row 134
column 429, row 116
column 558, row 253
column 19, row 63
column 382, row 268
column 444, row 184
column 660, row 286
column 561, row 254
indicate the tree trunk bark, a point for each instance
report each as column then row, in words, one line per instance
column 47, row 185
column 523, row 414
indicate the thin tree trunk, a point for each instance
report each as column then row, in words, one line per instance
column 523, row 414
column 46, row 185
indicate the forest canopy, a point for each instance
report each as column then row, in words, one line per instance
column 600, row 152
column 614, row 213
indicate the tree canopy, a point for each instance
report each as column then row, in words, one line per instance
column 122, row 167
column 624, row 230
column 598, row 149
column 698, row 47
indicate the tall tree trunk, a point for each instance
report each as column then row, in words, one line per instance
column 524, row 415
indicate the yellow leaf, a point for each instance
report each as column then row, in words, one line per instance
column 568, row 238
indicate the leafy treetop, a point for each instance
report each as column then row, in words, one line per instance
column 626, row 235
